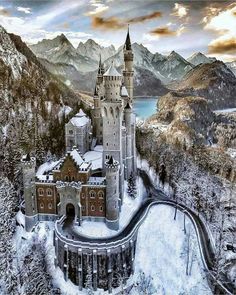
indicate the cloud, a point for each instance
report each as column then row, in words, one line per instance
column 114, row 23
column 222, row 46
column 4, row 12
column 143, row 18
column 180, row 10
column 166, row 31
column 26, row 10
column 99, row 8
column 224, row 24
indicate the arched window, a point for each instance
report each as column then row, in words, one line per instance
column 49, row 205
column 92, row 194
column 100, row 195
column 49, row 192
column 40, row 191
column 101, row 208
column 41, row 205
column 67, row 178
column 92, row 208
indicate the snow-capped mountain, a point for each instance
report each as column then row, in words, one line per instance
column 213, row 81
column 60, row 50
column 232, row 66
column 199, row 58
column 92, row 50
column 26, row 89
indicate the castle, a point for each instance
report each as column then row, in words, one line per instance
column 79, row 186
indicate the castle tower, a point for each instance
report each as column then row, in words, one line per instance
column 128, row 72
column 100, row 72
column 112, row 114
column 31, row 217
column 129, row 149
column 97, row 117
column 112, row 193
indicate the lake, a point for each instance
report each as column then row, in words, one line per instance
column 145, row 107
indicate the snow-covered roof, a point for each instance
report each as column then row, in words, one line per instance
column 84, row 166
column 79, row 121
column 112, row 72
column 124, row 91
column 95, row 157
column 76, row 157
column 46, row 167
column 80, row 113
column 96, row 180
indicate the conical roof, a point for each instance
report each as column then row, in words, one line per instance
column 112, row 72
column 110, row 161
column 127, row 45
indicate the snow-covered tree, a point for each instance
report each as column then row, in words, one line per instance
column 132, row 189
column 89, row 281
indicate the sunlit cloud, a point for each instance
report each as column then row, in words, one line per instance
column 26, row 10
column 224, row 24
column 114, row 23
column 98, row 8
column 180, row 10
column 166, row 31
column 4, row 11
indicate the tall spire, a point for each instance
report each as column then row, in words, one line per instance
column 100, row 66
column 127, row 45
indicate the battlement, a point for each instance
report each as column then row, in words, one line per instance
column 28, row 162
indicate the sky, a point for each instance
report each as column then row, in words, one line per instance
column 161, row 26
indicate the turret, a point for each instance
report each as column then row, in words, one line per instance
column 31, row 214
column 112, row 193
column 112, row 83
column 128, row 72
column 100, row 72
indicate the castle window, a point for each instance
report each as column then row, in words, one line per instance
column 73, row 178
column 66, row 178
column 49, row 192
column 41, row 192
column 49, row 205
column 83, row 208
column 100, row 195
column 101, row 208
column 70, row 131
column 92, row 208
column 83, row 196
column 92, row 194
column 41, row 205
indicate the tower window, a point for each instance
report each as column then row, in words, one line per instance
column 42, row 205
column 49, row 192
column 70, row 131
column 92, row 194
column 92, row 208
column 83, row 208
column 100, row 195
column 50, row 206
column 101, row 208
column 41, row 192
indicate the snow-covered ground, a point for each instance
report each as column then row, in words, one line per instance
column 129, row 207
column 161, row 253
column 226, row 110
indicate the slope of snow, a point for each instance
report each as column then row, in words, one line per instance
column 46, row 167
column 95, row 157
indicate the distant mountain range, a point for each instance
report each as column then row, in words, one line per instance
column 77, row 66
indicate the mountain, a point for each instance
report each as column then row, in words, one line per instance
column 29, row 96
column 199, row 58
column 172, row 67
column 213, row 81
column 92, row 50
column 60, row 50
column 232, row 66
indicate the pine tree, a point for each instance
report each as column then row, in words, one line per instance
column 132, row 190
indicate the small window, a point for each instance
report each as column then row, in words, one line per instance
column 83, row 208
column 83, row 196
column 41, row 192
column 92, row 208
column 49, row 192
column 92, row 194
column 100, row 195
column 49, row 205
column 67, row 178
column 70, row 131
column 101, row 208
column 42, row 205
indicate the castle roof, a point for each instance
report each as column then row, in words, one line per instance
column 112, row 71
column 127, row 106
column 76, row 157
column 80, row 119
column 124, row 91
column 127, row 45
column 110, row 161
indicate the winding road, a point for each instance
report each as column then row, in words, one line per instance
column 157, row 197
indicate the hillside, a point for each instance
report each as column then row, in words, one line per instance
column 33, row 103
column 213, row 81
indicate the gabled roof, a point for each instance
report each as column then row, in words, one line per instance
column 76, row 157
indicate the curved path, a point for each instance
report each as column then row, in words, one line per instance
column 157, row 198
